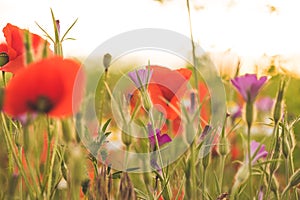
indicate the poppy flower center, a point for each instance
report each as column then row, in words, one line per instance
column 3, row 58
column 41, row 105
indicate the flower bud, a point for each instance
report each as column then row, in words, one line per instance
column 295, row 179
column 223, row 147
column 285, row 148
column 147, row 104
column 67, row 132
column 205, row 161
column 106, row 61
column 278, row 105
column 276, row 155
column 126, row 138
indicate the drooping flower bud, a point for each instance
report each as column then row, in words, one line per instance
column 106, row 61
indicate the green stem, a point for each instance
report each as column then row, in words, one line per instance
column 250, row 160
column 287, row 174
column 47, row 165
column 292, row 170
column 195, row 63
column 17, row 159
column 102, row 96
column 4, row 79
column 193, row 171
column 203, row 183
column 223, row 158
column 158, row 150
column 270, row 157
column 49, row 182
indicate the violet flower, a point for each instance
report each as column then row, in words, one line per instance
column 162, row 139
column 264, row 104
column 248, row 86
column 261, row 153
column 141, row 77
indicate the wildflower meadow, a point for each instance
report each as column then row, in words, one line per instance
column 75, row 129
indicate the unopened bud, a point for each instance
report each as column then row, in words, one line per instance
column 223, row 146
column 278, row 105
column 147, row 104
column 285, row 148
column 67, row 132
column 205, row 161
column 126, row 138
column 106, row 61
column 276, row 155
column 295, row 179
column 57, row 23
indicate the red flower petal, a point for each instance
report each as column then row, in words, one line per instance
column 166, row 88
column 16, row 50
column 52, row 79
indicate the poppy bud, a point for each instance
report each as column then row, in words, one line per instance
column 67, row 132
column 3, row 58
column 126, row 138
column 285, row 147
column 205, row 161
column 147, row 104
column 276, row 155
column 223, row 146
column 106, row 61
column 278, row 105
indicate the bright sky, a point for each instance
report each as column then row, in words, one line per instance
column 249, row 28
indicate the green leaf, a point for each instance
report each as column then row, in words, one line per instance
column 105, row 125
column 117, row 175
column 217, row 183
column 63, row 38
column 132, row 169
column 45, row 32
column 55, row 27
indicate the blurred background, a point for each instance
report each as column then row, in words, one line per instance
column 256, row 32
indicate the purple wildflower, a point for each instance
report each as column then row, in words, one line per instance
column 141, row 77
column 248, row 86
column 261, row 194
column 261, row 153
column 162, row 139
column 264, row 104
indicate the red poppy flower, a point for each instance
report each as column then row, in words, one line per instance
column 45, row 87
column 15, row 49
column 166, row 88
